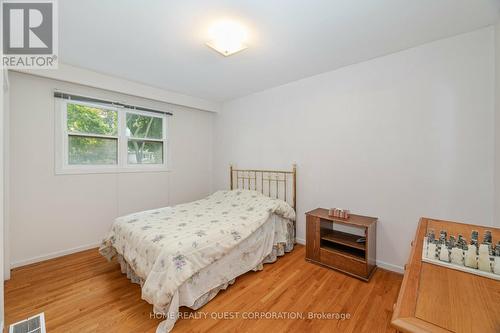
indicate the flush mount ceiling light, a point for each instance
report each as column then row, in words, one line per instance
column 227, row 37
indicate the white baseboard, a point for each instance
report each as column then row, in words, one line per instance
column 381, row 264
column 390, row 267
column 52, row 255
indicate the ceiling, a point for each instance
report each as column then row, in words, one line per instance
column 161, row 43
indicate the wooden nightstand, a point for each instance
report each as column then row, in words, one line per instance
column 339, row 250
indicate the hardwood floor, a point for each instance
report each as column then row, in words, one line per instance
column 83, row 292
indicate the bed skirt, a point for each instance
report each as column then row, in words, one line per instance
column 279, row 250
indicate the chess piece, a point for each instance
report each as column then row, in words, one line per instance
column 430, row 236
column 461, row 242
column 429, row 239
column 442, row 236
column 451, row 243
column 444, row 253
column 471, row 256
column 484, row 258
column 487, row 237
column 457, row 254
column 496, row 264
column 432, row 250
column 474, row 238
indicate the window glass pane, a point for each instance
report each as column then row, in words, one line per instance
column 140, row 126
column 91, row 120
column 145, row 152
column 96, row 151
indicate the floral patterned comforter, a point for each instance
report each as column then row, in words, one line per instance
column 167, row 246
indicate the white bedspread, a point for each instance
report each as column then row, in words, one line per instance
column 263, row 246
column 167, row 247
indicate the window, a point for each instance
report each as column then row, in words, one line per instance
column 145, row 139
column 104, row 138
column 92, row 135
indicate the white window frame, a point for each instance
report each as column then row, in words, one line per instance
column 62, row 165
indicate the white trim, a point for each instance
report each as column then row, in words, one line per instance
column 300, row 241
column 391, row 267
column 53, row 255
column 99, row 136
column 94, row 79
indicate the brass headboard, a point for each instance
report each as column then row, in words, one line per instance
column 273, row 183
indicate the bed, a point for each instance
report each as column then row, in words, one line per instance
column 185, row 254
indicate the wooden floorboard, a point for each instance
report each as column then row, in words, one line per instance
column 83, row 293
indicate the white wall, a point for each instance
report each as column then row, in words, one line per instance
column 51, row 215
column 402, row 136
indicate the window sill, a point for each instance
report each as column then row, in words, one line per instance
column 110, row 170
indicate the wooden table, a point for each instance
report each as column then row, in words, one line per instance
column 438, row 299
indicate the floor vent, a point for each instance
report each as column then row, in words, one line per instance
column 35, row 324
